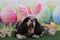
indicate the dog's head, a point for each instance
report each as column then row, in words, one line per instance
column 30, row 21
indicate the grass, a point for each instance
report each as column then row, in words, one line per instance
column 45, row 37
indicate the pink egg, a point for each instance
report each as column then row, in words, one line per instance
column 8, row 16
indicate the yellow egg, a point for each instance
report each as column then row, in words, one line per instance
column 53, row 24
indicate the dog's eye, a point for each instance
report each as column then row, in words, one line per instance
column 31, row 20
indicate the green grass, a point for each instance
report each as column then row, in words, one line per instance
column 45, row 37
column 58, row 29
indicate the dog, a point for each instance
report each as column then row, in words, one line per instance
column 28, row 27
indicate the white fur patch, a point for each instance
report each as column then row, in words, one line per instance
column 35, row 36
column 20, row 36
column 42, row 33
column 52, row 31
column 31, row 31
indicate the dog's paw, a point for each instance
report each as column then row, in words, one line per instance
column 35, row 36
column 20, row 36
column 42, row 34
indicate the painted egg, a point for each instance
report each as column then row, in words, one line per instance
column 55, row 19
column 56, row 15
column 8, row 16
column 48, row 22
column 46, row 25
column 53, row 24
column 45, row 15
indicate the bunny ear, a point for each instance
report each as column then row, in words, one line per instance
column 29, row 10
column 37, row 8
column 22, row 10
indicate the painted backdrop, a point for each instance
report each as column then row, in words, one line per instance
column 10, row 11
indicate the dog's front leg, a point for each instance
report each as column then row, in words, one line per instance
column 19, row 36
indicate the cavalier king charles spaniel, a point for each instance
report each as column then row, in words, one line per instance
column 28, row 27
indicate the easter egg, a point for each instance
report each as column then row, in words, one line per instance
column 56, row 19
column 56, row 15
column 8, row 16
column 46, row 25
column 48, row 22
column 53, row 24
column 45, row 15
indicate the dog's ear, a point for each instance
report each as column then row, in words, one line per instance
column 17, row 24
column 38, row 28
column 37, row 23
column 21, row 27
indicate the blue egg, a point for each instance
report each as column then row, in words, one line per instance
column 56, row 19
column 47, row 22
column 56, row 15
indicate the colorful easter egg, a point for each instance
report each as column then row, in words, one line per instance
column 53, row 24
column 46, row 25
column 56, row 15
column 47, row 22
column 56, row 19
column 8, row 16
column 45, row 15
